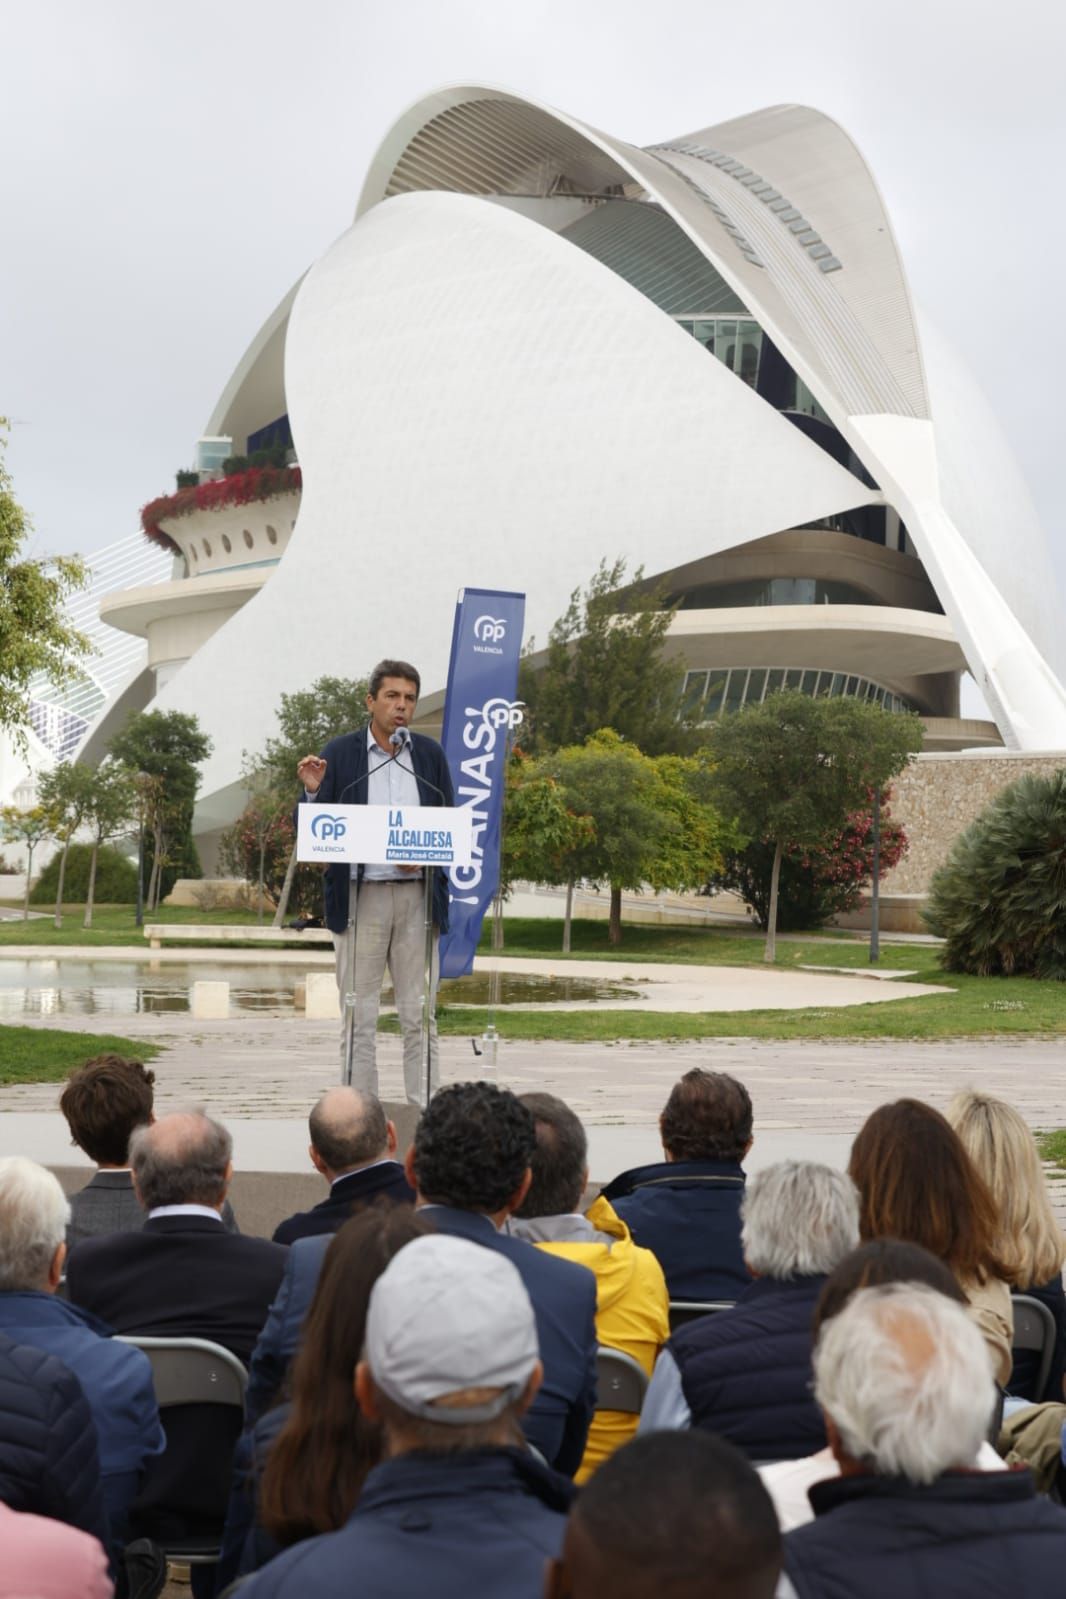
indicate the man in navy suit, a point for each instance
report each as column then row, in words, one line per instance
column 383, row 764
column 353, row 1146
column 470, row 1163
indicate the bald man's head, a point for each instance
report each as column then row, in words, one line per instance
column 349, row 1129
column 181, row 1159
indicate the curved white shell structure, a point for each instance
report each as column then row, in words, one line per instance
column 497, row 376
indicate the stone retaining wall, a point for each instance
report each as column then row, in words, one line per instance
column 938, row 796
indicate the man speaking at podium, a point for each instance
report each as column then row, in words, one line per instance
column 384, row 763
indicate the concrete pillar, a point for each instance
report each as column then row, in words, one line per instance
column 210, row 1001
column 322, row 1002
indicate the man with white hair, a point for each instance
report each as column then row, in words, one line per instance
column 459, row 1505
column 745, row 1373
column 904, row 1379
column 116, row 1380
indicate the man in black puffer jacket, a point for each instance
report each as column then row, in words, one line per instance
column 745, row 1373
column 48, row 1456
column 903, row 1377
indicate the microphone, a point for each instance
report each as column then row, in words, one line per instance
column 400, row 739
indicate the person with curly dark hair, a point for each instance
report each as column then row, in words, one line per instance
column 470, row 1164
column 686, row 1208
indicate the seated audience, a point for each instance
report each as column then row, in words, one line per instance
column 746, row 1372
column 470, row 1164
column 870, row 1266
column 182, row 1274
column 632, row 1310
column 43, row 1558
column 49, row 1463
column 116, row 1380
column 458, row 1506
column 104, row 1102
column 686, row 1209
column 916, row 1182
column 305, row 1461
column 670, row 1516
column 904, row 1378
column 353, row 1146
column 1029, row 1241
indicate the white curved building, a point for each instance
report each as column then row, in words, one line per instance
column 537, row 346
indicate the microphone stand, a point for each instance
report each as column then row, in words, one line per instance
column 429, row 987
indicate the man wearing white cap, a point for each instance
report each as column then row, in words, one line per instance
column 459, row 1506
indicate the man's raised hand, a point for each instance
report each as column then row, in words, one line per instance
column 310, row 771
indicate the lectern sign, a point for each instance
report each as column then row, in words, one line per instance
column 409, row 835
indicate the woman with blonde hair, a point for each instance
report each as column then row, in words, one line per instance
column 1029, row 1242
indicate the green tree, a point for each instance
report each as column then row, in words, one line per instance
column 605, row 668
column 167, row 747
column 28, row 828
column 65, row 792
column 541, row 834
column 249, row 845
column 307, row 720
column 110, row 808
column 791, row 770
column 819, row 881
column 652, row 819
column 35, row 636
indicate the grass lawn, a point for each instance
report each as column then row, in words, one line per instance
column 112, row 924
column 1052, row 1146
column 40, row 1055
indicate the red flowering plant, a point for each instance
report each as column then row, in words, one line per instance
column 243, row 488
column 816, row 884
column 264, row 843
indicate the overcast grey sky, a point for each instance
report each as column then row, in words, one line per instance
column 170, row 168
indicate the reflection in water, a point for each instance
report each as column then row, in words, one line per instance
column 78, row 987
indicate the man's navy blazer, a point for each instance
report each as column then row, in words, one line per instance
column 345, row 783
column 180, row 1276
column 384, row 1181
column 563, row 1295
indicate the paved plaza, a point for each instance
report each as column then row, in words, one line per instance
column 261, row 1076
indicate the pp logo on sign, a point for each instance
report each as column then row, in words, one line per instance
column 489, row 629
column 500, row 713
column 325, row 826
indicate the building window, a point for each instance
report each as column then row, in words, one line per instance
column 207, row 549
column 272, row 534
column 248, row 538
column 706, row 695
column 226, row 544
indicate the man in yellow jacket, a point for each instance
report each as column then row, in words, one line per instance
column 632, row 1305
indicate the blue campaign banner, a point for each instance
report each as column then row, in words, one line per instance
column 479, row 712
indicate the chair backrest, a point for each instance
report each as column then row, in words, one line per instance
column 192, row 1371
column 683, row 1310
column 1034, row 1328
column 621, row 1382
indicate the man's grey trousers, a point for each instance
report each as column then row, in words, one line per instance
column 390, row 931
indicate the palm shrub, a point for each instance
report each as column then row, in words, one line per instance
column 999, row 900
